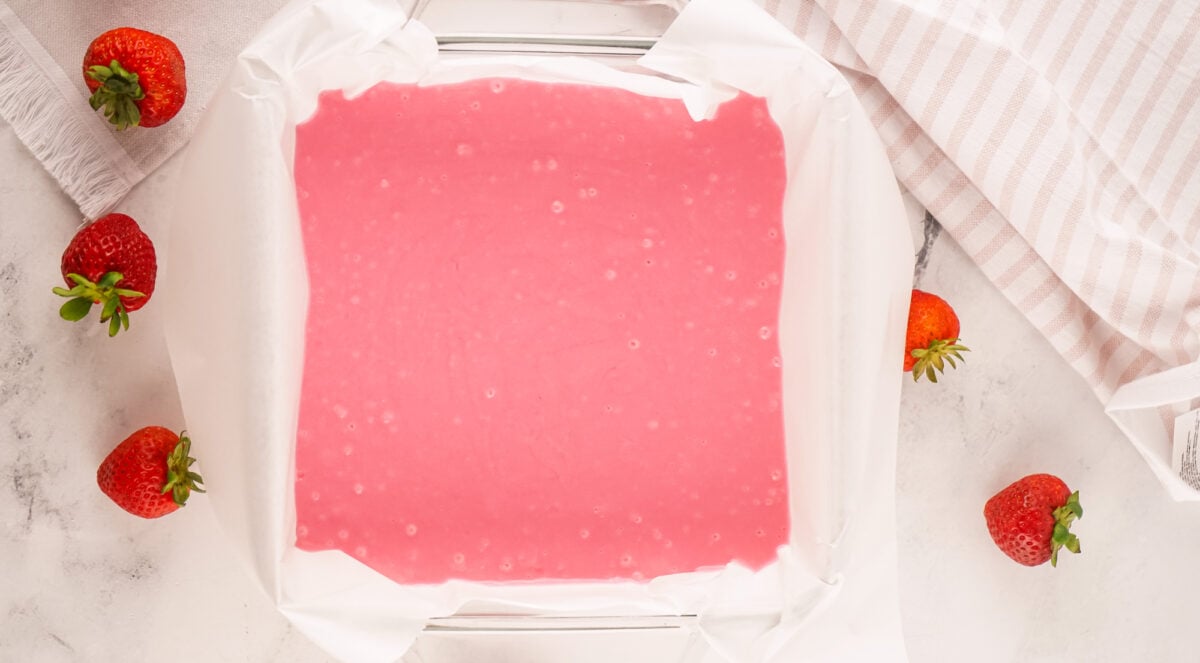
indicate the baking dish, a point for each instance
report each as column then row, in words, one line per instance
column 830, row 595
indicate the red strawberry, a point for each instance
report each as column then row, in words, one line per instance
column 110, row 262
column 1031, row 519
column 136, row 76
column 148, row 474
column 932, row 338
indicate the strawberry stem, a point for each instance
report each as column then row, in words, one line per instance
column 181, row 481
column 933, row 359
column 104, row 292
column 1062, row 536
column 118, row 94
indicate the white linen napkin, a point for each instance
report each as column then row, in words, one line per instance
column 44, row 98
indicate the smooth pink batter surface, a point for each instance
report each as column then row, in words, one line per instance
column 541, row 341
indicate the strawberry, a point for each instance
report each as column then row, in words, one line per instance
column 932, row 337
column 1031, row 519
column 148, row 473
column 136, row 76
column 113, row 251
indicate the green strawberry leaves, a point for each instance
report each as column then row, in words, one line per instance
column 104, row 292
column 181, row 480
column 1062, row 536
column 118, row 94
column 75, row 309
column 933, row 359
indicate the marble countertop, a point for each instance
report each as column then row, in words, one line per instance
column 82, row 581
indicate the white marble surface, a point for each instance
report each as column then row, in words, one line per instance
column 1015, row 409
column 82, row 581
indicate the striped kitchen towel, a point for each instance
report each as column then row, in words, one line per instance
column 1059, row 144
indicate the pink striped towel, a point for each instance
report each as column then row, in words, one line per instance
column 1059, row 144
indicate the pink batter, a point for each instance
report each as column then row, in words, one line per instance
column 542, row 334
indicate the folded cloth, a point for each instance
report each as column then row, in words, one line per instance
column 1059, row 144
column 44, row 98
